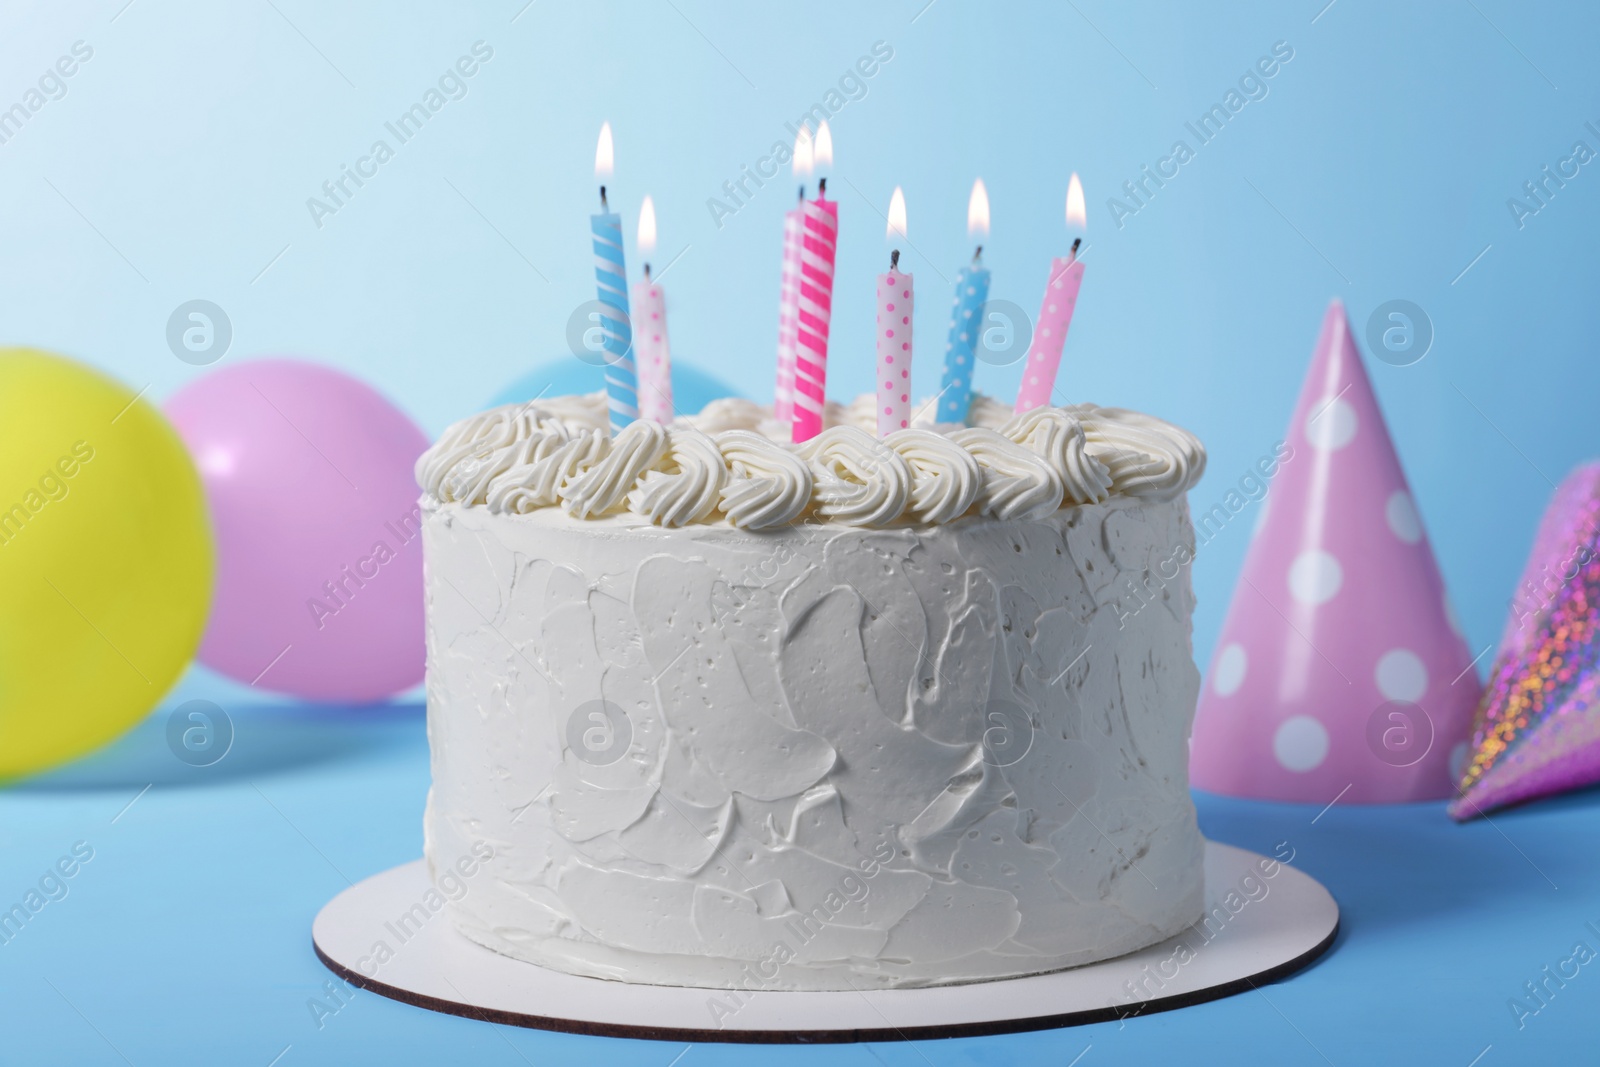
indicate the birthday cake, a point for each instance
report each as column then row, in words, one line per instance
column 707, row 708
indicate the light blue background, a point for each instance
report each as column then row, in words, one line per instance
column 178, row 166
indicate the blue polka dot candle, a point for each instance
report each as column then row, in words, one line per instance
column 966, row 318
column 611, row 285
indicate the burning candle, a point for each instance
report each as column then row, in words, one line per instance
column 966, row 317
column 652, row 350
column 820, row 220
column 894, row 330
column 823, row 150
column 1055, row 313
column 611, row 284
column 789, row 284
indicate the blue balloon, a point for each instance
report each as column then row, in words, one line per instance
column 692, row 389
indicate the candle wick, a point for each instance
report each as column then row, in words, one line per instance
column 894, row 259
column 1076, row 241
column 647, row 272
column 603, row 205
column 822, row 188
column 802, row 193
column 977, row 254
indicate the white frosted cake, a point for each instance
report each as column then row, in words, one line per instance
column 725, row 711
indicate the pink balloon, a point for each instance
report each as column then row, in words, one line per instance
column 319, row 559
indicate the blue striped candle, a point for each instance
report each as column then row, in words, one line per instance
column 960, row 352
column 611, row 283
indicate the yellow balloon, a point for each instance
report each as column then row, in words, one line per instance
column 106, row 559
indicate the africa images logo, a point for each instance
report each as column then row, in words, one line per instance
column 599, row 732
column 338, row 191
column 51, row 85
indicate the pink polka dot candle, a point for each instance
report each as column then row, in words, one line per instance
column 895, row 301
column 1055, row 314
column 651, row 349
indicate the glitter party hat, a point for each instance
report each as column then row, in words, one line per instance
column 1537, row 731
column 1339, row 674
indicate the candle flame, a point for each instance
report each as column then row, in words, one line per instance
column 822, row 154
column 647, row 227
column 1077, row 216
column 803, row 163
column 897, row 214
column 978, row 211
column 604, row 154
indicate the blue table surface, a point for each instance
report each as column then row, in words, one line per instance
column 186, row 937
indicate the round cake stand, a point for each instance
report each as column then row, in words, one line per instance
column 1260, row 928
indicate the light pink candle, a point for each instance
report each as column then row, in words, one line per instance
column 1050, row 333
column 652, row 352
column 895, row 299
column 819, row 241
column 1055, row 315
column 894, row 348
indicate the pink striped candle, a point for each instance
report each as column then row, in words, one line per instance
column 789, row 311
column 1055, row 315
column 819, row 241
column 895, row 300
column 803, row 162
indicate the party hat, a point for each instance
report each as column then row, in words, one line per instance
column 1339, row 673
column 1537, row 731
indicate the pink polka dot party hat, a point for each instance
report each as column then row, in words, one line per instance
column 1340, row 673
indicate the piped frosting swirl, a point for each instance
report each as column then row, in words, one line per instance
column 860, row 480
column 1018, row 483
column 604, row 487
column 688, row 487
column 732, row 462
column 945, row 477
column 767, row 486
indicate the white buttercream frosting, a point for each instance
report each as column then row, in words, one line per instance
column 604, row 487
column 766, row 486
column 859, row 480
column 945, row 477
column 928, row 726
column 733, row 463
column 1018, row 482
column 688, row 488
column 1060, row 440
column 826, row 757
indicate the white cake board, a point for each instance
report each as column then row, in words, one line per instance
column 437, row 968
